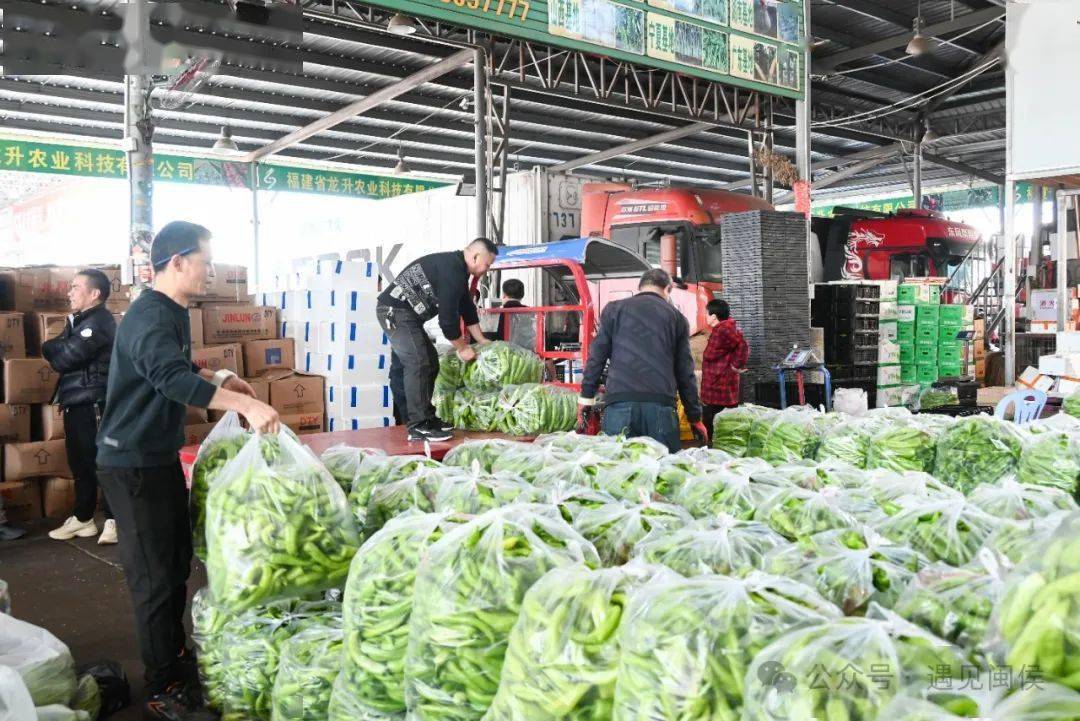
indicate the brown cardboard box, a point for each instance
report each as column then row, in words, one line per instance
column 41, row 327
column 227, row 282
column 294, row 393
column 12, row 335
column 197, row 433
column 48, row 423
column 235, row 323
column 22, row 501
column 195, row 314
column 60, row 277
column 260, row 385
column 30, row 460
column 118, row 290
column 262, row 355
column 302, row 423
column 57, row 497
column 28, row 380
column 14, row 424
column 216, row 357
column 24, row 289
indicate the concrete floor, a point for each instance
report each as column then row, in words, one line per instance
column 76, row 590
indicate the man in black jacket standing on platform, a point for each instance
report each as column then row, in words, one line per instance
column 647, row 341
column 434, row 285
column 80, row 354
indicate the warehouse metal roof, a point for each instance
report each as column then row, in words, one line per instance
column 867, row 94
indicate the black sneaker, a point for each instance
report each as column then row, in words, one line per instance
column 443, row 425
column 429, row 432
column 172, row 704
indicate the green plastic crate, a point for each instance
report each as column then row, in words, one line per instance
column 927, row 312
column 950, row 353
column 952, row 314
column 926, row 373
column 926, row 334
column 905, row 332
column 947, row 333
column 934, row 294
column 906, row 294
column 909, row 373
column 950, row 370
column 907, row 354
column 926, row 354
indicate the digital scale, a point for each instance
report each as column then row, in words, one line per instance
column 800, row 360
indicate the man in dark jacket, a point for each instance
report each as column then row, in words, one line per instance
column 647, row 342
column 80, row 354
column 434, row 285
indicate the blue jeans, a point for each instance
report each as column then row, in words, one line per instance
column 632, row 418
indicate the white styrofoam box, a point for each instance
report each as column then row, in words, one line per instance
column 887, row 310
column 298, row 330
column 357, row 424
column 1068, row 342
column 355, row 306
column 342, row 275
column 1067, row 386
column 1066, row 364
column 358, row 401
column 339, row 338
column 888, row 352
column 888, row 375
column 888, row 289
column 905, row 313
column 359, row 369
column 887, row 331
column 1031, row 378
column 317, row 363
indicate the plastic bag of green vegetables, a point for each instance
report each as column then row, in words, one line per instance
column 729, row 490
column 472, row 491
column 208, row 624
column 469, row 591
column 276, row 530
column 378, row 604
column 527, row 460
column 580, row 471
column 572, row 500
column 811, row 474
column 845, row 669
column 499, row 364
column 476, row 410
column 1009, row 499
column 887, row 487
column 732, row 426
column 1036, row 623
column 451, row 371
column 615, row 528
column 484, row 453
column 613, row 448
column 1071, row 405
column 1051, row 459
column 310, row 661
column 903, row 446
column 673, row 471
column 975, row 450
column 532, row 408
column 792, row 435
column 945, row 529
column 1014, row 540
column 722, row 545
column 15, row 701
column 686, row 645
column 563, row 652
column 850, row 567
column 414, row 492
column 251, row 645
column 955, row 603
column 41, row 659
column 980, row 698
column 798, row 512
column 849, row 440
column 221, row 445
column 444, row 401
column 344, row 463
column 87, row 697
column 378, row 471
column 936, row 397
column 629, row 481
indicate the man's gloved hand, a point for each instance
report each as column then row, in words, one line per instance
column 701, row 433
column 586, row 408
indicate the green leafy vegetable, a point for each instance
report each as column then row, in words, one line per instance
column 976, row 450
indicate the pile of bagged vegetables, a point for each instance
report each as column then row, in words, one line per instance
column 809, row 566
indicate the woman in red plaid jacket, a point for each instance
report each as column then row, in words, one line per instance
column 723, row 362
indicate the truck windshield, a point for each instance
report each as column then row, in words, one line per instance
column 909, row 265
column 698, row 254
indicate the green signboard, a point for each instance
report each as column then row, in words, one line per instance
column 950, row 200
column 85, row 161
column 695, row 37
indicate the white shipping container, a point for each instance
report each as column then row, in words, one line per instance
column 888, row 375
column 905, row 313
column 358, row 401
column 887, row 331
column 358, row 424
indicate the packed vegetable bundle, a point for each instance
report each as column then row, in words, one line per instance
column 954, row 603
column 1071, row 404
column 982, row 698
column 976, row 450
column 414, row 492
column 849, row 567
column 615, row 528
column 476, row 492
column 1014, row 540
column 87, row 697
column 580, row 471
column 500, row 364
column 527, row 460
column 732, row 427
column 476, row 410
column 469, row 591
column 310, row 661
column 378, row 471
column 727, row 489
column 944, row 528
column 612, row 448
column 484, row 452
column 532, row 408
column 563, row 652
column 687, row 644
column 1051, row 459
column 813, row 475
column 208, row 624
column 904, row 445
column 276, row 530
column 451, row 371
column 376, row 610
column 218, row 448
column 792, row 436
column 1009, row 499
column 42, row 661
column 444, row 401
column 844, row 669
column 630, row 481
column 798, row 512
column 674, row 470
column 887, row 487
column 572, row 500
column 722, row 545
column 344, row 463
column 848, row 441
column 1036, row 624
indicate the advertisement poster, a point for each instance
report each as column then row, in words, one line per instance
column 601, row 22
column 687, row 43
column 715, row 11
column 788, row 68
column 754, row 60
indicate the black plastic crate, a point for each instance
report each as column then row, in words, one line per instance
column 868, row 307
column 867, row 323
column 768, row 394
column 868, row 291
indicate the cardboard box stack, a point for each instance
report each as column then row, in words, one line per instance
column 327, row 310
column 1058, row 374
column 849, row 315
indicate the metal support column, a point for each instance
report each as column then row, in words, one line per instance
column 480, row 118
column 802, row 135
column 138, row 141
column 916, row 173
column 1061, row 256
column 767, row 143
column 256, row 276
column 1035, row 254
column 751, row 158
column 1008, row 274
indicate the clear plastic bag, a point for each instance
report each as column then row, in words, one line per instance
column 1019, row 501
column 945, row 529
column 414, row 492
column 208, row 624
column 849, row 567
column 792, row 435
column 580, row 471
column 378, row 471
column 615, row 528
column 484, row 452
column 932, row 397
column 612, row 448
column 686, row 645
column 563, row 651
column 844, row 669
column 472, row 491
column 59, row 712
column 849, row 440
column 982, row 699
column 476, row 410
column 1014, row 540
column 634, row 482
column 451, row 371
column 499, row 364
column 727, row 489
column 527, row 460
column 221, row 445
column 87, row 697
column 904, row 445
column 1051, row 459
column 532, row 408
column 799, row 512
column 310, row 661
column 723, row 545
column 469, row 591
column 1036, row 623
column 344, row 463
column 572, row 500
column 732, row 428
column 887, row 487
column 814, row 475
column 673, row 471
column 1071, row 404
column 378, row 604
column 444, row 400
column 15, row 701
column 41, row 659
column 276, row 530
column 975, row 450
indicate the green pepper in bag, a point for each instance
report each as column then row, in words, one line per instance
column 218, row 448
column 344, row 463
column 615, row 528
column 723, row 545
column 376, row 471
column 499, row 364
column 310, row 661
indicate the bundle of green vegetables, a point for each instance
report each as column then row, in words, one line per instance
column 572, row 500
column 726, row 490
column 732, row 428
column 377, row 471
column 344, row 463
column 887, row 487
column 630, row 481
column 42, row 661
column 945, row 529
column 527, row 460
column 218, row 448
column 1018, row 501
column 580, row 471
column 985, row 697
column 615, row 528
column 848, row 442
column 208, row 624
column 907, row 445
column 484, row 453
column 975, row 450
column 500, row 364
column 444, row 400
column 798, row 512
column 310, row 661
column 792, row 436
column 451, row 371
column 1014, row 540
column 1051, row 459
column 87, row 697
column 675, row 470
column 813, row 475
column 954, row 603
column 476, row 410
column 531, row 408
column 722, row 544
column 612, row 448
column 1071, row 404
column 476, row 492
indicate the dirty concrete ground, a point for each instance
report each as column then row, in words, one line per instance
column 76, row 590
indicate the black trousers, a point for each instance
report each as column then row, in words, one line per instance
column 397, row 389
column 419, row 360
column 151, row 508
column 80, row 440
